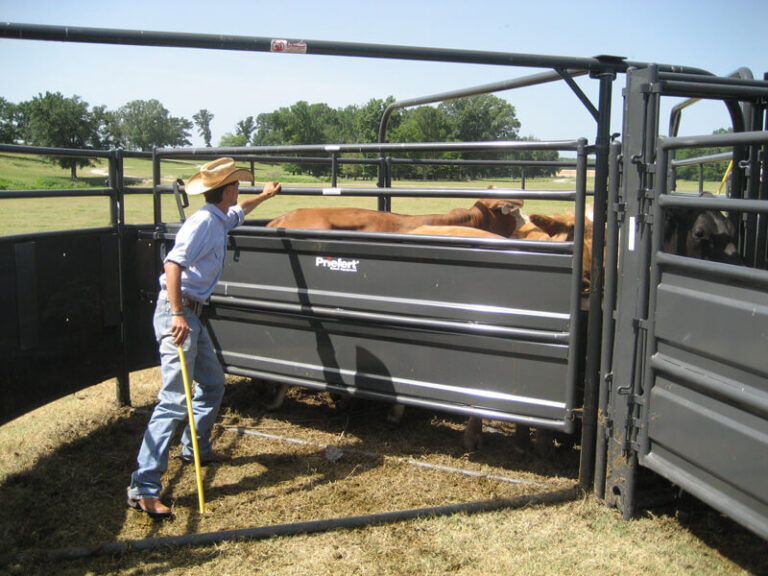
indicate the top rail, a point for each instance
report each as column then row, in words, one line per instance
column 263, row 44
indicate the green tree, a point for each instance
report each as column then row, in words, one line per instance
column 712, row 172
column 424, row 124
column 9, row 132
column 482, row 118
column 146, row 124
column 229, row 140
column 245, row 128
column 104, row 122
column 60, row 122
column 203, row 121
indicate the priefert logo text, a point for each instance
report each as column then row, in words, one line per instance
column 337, row 264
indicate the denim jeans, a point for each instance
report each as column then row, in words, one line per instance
column 203, row 367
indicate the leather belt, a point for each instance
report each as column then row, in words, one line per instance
column 196, row 307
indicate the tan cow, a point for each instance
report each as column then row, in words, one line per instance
column 495, row 215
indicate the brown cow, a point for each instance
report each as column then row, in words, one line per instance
column 702, row 234
column 495, row 215
column 431, row 230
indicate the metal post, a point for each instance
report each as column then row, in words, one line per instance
column 595, row 320
column 117, row 180
column 334, row 168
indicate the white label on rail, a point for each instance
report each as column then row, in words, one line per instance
column 631, row 235
column 331, row 191
column 288, row 47
column 332, row 148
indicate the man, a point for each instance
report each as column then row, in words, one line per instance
column 191, row 270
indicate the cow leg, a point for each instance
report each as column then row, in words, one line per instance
column 279, row 397
column 522, row 437
column 544, row 441
column 473, row 434
column 395, row 415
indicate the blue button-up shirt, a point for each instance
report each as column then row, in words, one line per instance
column 200, row 247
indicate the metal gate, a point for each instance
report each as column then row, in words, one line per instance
column 686, row 394
column 484, row 327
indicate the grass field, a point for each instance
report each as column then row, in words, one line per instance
column 65, row 466
column 23, row 172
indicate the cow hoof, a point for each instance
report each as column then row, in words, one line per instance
column 277, row 401
column 473, row 434
column 395, row 416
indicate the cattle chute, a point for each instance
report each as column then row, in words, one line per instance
column 111, row 280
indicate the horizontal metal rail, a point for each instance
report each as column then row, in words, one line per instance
column 500, row 243
column 393, row 319
column 712, row 269
column 74, row 192
column 676, row 200
column 318, row 47
column 243, row 153
column 712, row 91
column 708, row 159
column 710, row 384
column 532, row 80
column 713, row 140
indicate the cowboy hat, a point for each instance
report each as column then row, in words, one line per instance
column 215, row 174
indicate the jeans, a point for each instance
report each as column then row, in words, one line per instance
column 203, row 367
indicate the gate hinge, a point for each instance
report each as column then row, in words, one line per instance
column 621, row 211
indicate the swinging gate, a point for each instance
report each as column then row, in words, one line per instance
column 685, row 389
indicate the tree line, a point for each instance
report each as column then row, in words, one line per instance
column 53, row 120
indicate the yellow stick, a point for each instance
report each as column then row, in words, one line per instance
column 198, row 473
column 725, row 177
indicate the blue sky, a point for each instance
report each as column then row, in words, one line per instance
column 717, row 36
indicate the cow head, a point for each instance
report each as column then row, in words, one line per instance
column 559, row 226
column 500, row 216
column 703, row 234
column 562, row 228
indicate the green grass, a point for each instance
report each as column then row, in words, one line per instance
column 26, row 172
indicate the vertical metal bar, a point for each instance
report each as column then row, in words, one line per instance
column 334, row 168
column 574, row 347
column 117, row 180
column 608, row 328
column 660, row 188
column 595, row 319
column 522, row 179
column 156, row 193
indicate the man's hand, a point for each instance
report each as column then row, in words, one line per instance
column 269, row 190
column 179, row 329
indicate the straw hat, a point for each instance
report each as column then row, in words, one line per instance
column 215, row 174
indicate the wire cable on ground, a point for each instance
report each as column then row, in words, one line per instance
column 334, row 452
column 311, row 527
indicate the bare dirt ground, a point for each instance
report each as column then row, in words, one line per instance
column 65, row 468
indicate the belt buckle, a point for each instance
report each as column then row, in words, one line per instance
column 196, row 307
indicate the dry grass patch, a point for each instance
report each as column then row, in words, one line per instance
column 65, row 468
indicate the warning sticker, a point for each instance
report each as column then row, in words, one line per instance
column 288, row 46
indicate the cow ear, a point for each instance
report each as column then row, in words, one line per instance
column 511, row 206
column 546, row 223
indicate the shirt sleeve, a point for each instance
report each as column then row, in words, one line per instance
column 191, row 240
column 235, row 216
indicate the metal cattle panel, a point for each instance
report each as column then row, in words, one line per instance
column 470, row 330
column 707, row 408
column 61, row 318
